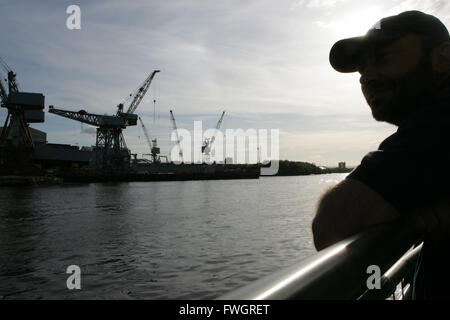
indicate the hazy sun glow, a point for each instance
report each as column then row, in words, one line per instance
column 355, row 23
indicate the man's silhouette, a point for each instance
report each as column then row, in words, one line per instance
column 404, row 62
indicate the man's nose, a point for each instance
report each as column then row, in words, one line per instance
column 368, row 74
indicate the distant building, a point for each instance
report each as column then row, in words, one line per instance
column 38, row 136
column 51, row 155
column 342, row 165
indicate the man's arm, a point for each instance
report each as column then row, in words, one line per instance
column 346, row 209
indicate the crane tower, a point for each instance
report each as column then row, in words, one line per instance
column 111, row 152
column 16, row 143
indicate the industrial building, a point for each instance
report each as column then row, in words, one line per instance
column 52, row 155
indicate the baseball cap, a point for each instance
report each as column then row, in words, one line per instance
column 344, row 53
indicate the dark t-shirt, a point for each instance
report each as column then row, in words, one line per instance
column 411, row 169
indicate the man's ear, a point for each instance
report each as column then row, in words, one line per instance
column 440, row 58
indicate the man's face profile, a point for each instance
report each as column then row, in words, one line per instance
column 395, row 77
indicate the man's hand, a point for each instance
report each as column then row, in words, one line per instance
column 434, row 220
column 347, row 209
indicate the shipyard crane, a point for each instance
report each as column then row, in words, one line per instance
column 154, row 149
column 174, row 126
column 129, row 116
column 206, row 147
column 16, row 143
column 13, row 86
column 111, row 152
column 3, row 94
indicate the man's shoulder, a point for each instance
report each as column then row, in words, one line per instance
column 425, row 130
column 434, row 112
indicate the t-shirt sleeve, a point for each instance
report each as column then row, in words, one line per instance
column 409, row 169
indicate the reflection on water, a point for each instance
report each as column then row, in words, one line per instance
column 153, row 240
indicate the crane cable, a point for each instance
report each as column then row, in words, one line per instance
column 5, row 65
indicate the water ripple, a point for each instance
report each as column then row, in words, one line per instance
column 161, row 240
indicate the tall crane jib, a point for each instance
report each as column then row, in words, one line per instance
column 207, row 144
column 154, row 149
column 174, row 127
column 129, row 116
column 111, row 153
column 16, row 143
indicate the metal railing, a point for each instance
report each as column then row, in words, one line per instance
column 340, row 271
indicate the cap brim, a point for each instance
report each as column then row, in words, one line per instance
column 344, row 54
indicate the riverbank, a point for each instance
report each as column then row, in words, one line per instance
column 10, row 181
column 298, row 168
column 182, row 173
column 160, row 177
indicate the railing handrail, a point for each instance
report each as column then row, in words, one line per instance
column 402, row 271
column 337, row 272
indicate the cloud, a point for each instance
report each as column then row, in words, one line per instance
column 438, row 8
column 351, row 22
column 262, row 61
column 319, row 3
column 89, row 130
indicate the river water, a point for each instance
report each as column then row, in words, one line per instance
column 154, row 240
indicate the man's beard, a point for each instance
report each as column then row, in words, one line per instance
column 407, row 93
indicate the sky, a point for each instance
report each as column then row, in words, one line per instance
column 264, row 62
